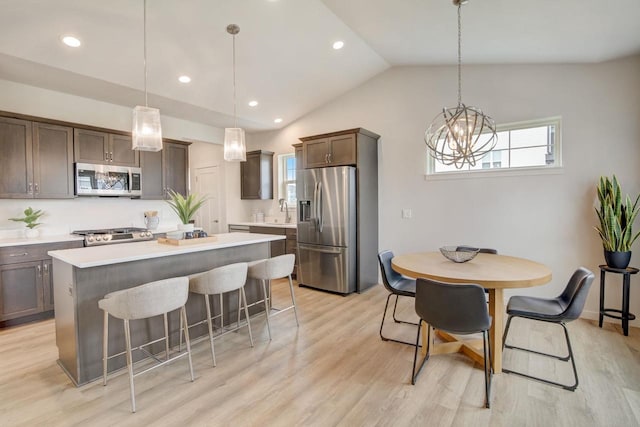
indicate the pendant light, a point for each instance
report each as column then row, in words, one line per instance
column 235, row 149
column 146, row 132
column 461, row 135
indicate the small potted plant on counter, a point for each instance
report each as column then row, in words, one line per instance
column 616, row 217
column 30, row 219
column 185, row 208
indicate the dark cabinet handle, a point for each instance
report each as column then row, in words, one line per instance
column 39, row 269
column 46, row 269
column 37, row 188
column 30, row 191
column 106, row 156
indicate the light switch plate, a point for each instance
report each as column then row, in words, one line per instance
column 406, row 213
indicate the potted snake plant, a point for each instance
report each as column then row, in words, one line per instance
column 616, row 216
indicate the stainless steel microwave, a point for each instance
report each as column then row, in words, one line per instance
column 107, row 180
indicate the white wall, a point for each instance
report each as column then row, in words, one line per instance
column 547, row 218
column 65, row 215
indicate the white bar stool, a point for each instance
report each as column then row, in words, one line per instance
column 218, row 281
column 267, row 270
column 142, row 302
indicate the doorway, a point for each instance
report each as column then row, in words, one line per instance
column 208, row 185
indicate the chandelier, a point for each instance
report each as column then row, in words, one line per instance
column 463, row 134
column 234, row 145
column 147, row 132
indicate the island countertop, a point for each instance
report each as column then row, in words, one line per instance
column 125, row 252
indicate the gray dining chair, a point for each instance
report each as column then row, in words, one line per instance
column 397, row 285
column 454, row 308
column 564, row 308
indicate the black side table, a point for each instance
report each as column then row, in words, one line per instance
column 625, row 316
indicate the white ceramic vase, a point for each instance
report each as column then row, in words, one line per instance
column 186, row 227
column 31, row 233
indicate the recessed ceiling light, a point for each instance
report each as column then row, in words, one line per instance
column 71, row 41
column 338, row 45
column 253, row 103
column 278, row 120
column 184, row 79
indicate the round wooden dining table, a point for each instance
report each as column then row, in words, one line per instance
column 493, row 272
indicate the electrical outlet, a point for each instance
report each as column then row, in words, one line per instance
column 406, row 213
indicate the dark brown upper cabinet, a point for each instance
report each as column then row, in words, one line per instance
column 164, row 170
column 256, row 176
column 36, row 160
column 92, row 146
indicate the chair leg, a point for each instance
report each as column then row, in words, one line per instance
column 183, row 312
column 266, row 306
column 488, row 368
column 384, row 315
column 569, row 357
column 394, row 314
column 246, row 314
column 210, row 326
column 105, row 347
column 127, row 339
column 293, row 300
column 414, row 374
column 166, row 335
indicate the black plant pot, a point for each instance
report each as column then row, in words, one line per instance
column 617, row 259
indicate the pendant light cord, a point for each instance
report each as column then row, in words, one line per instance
column 459, row 56
column 144, row 26
column 235, row 120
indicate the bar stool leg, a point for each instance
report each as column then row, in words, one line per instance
column 246, row 314
column 293, row 300
column 166, row 336
column 208, row 306
column 127, row 339
column 239, row 308
column 105, row 347
column 266, row 306
column 180, row 339
column 221, row 313
column 183, row 312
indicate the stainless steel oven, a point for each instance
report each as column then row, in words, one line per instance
column 107, row 180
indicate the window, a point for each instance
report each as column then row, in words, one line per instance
column 287, row 178
column 532, row 144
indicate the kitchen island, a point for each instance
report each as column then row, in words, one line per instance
column 83, row 276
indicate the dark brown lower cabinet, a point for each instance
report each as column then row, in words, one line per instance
column 26, row 282
column 281, row 247
column 21, row 290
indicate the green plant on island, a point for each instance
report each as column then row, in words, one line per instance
column 185, row 207
column 616, row 216
column 30, row 217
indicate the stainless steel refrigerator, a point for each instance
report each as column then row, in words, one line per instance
column 327, row 228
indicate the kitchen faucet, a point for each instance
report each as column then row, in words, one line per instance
column 283, row 205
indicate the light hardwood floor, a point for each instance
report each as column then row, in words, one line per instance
column 332, row 370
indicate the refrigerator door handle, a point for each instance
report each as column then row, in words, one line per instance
column 320, row 209
column 315, row 205
column 322, row 249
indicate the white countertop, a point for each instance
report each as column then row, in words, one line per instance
column 20, row 241
column 125, row 252
column 267, row 224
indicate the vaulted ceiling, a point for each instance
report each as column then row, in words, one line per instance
column 284, row 55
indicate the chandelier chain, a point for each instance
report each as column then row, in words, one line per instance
column 144, row 30
column 235, row 120
column 459, row 55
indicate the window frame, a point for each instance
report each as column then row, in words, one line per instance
column 556, row 168
column 282, row 181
